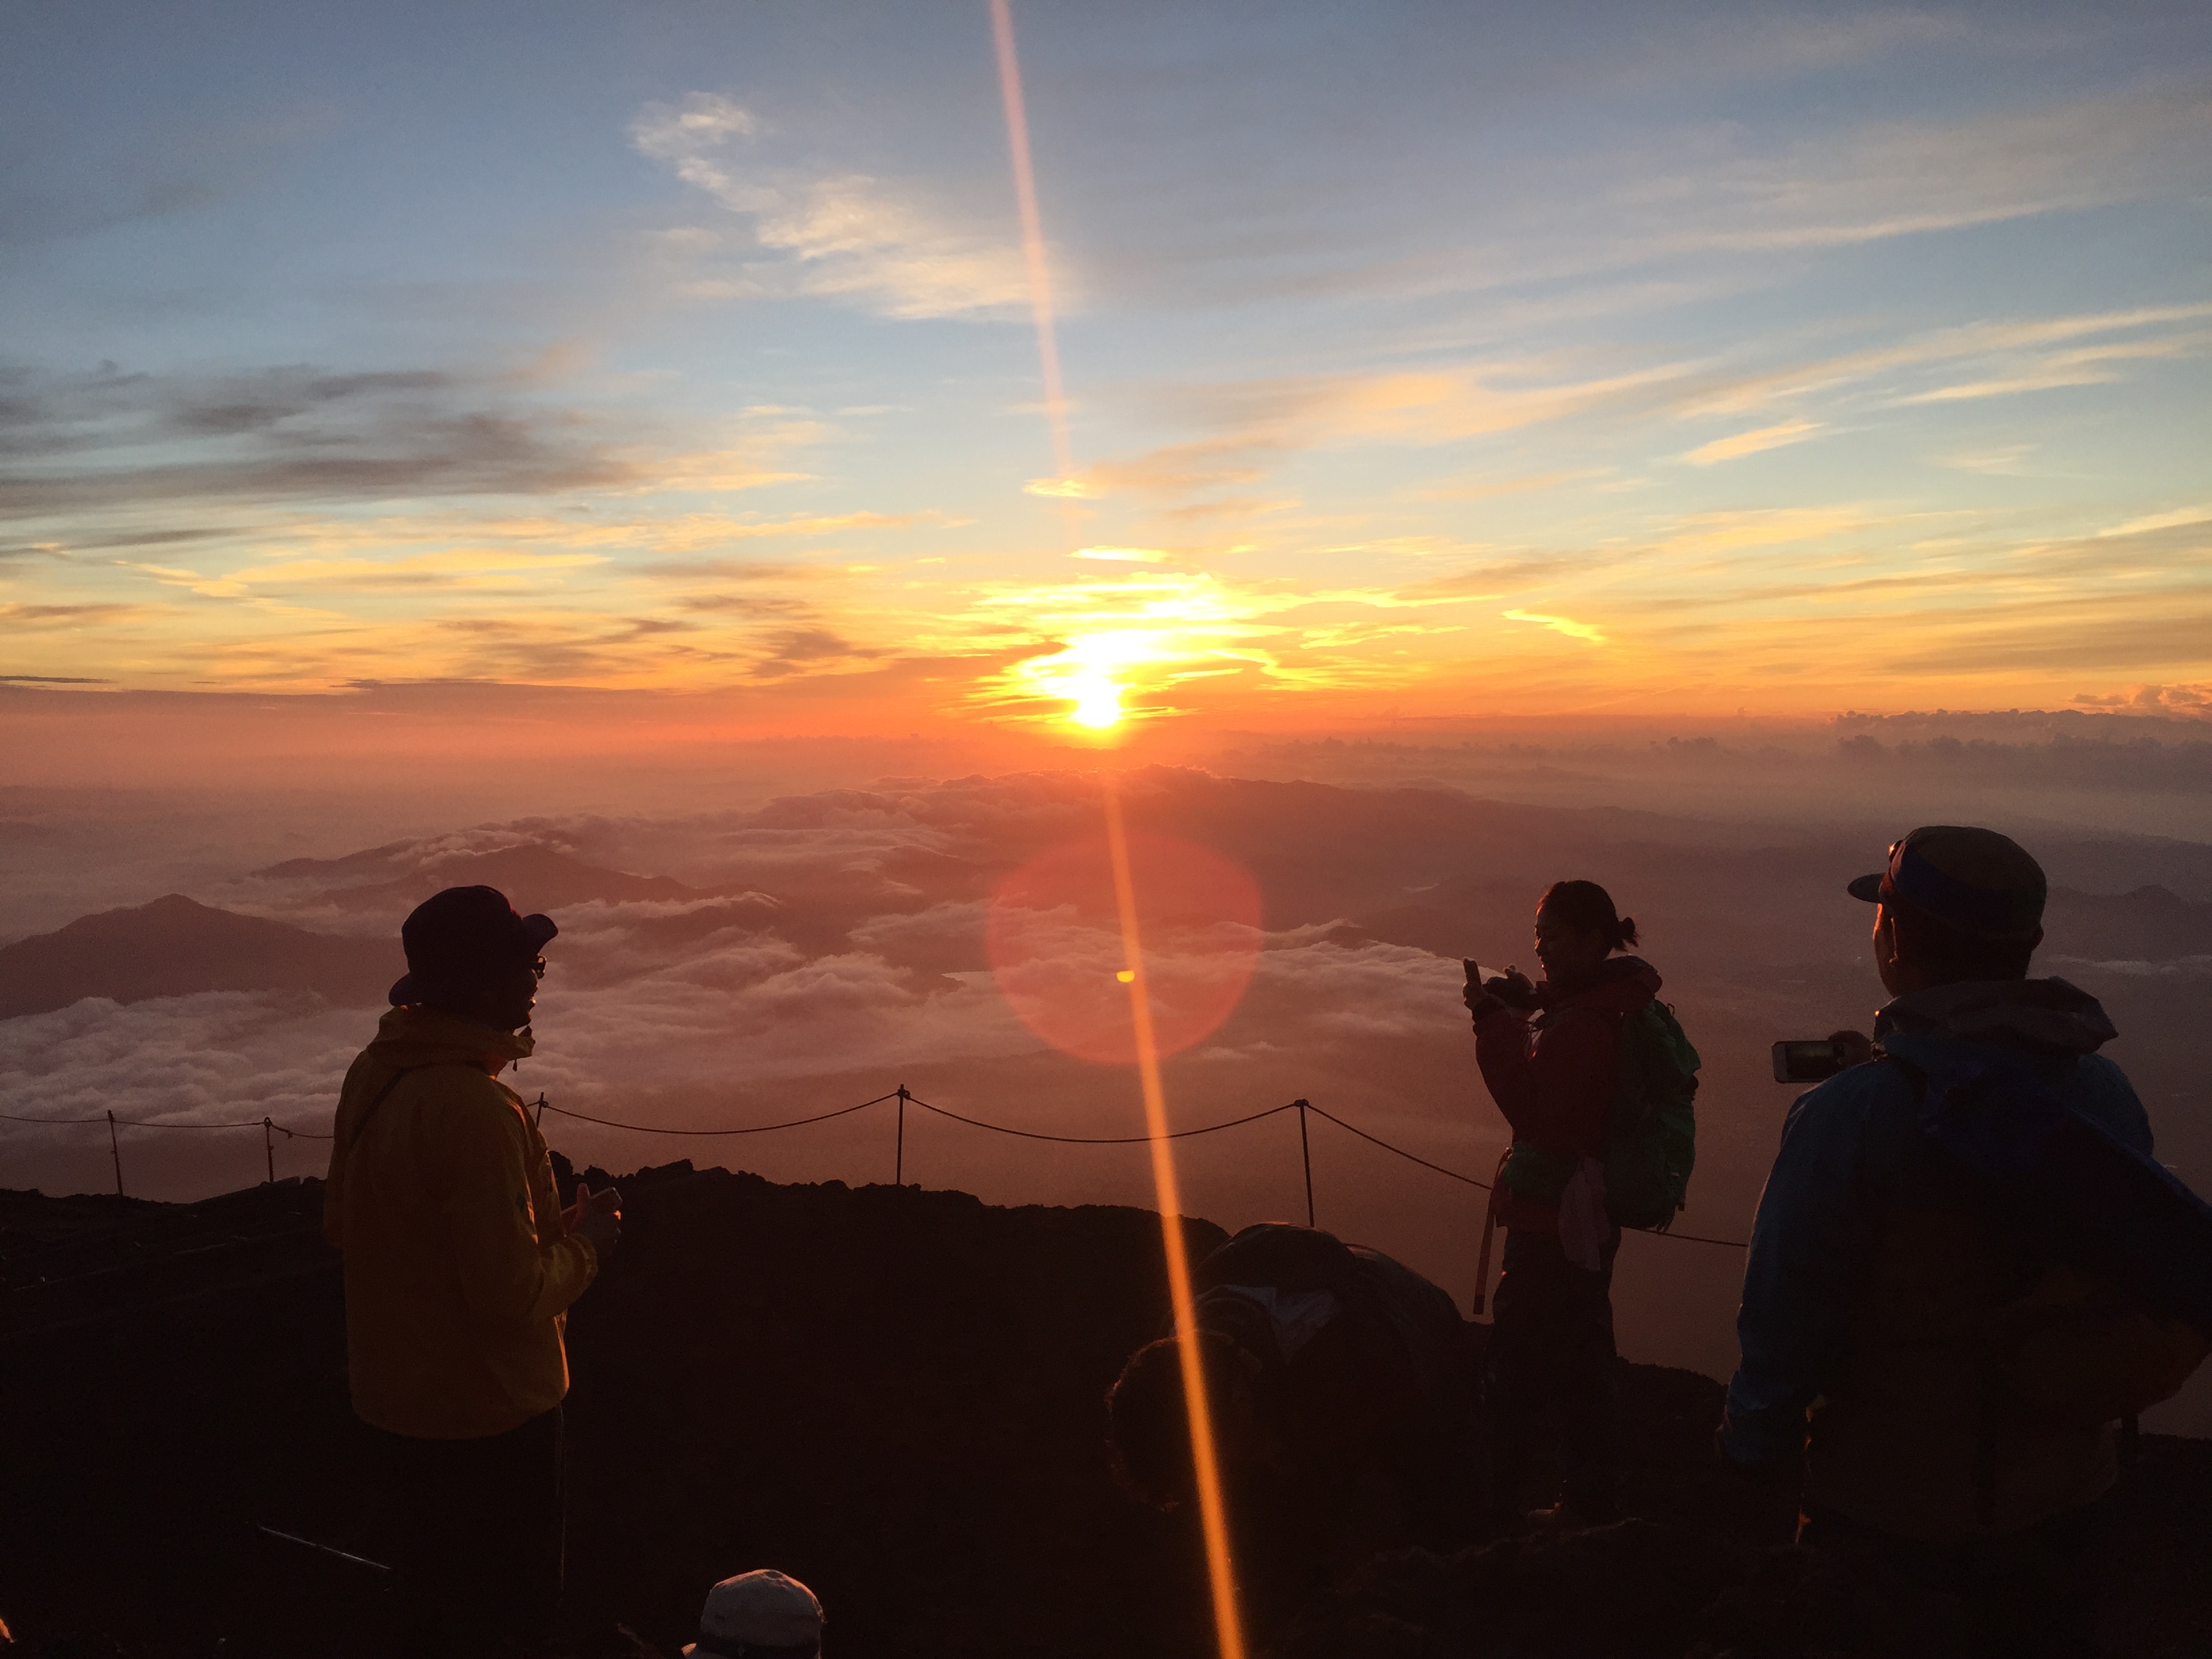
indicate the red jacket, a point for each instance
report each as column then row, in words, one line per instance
column 1554, row 1076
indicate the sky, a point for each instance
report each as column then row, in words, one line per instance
column 1431, row 362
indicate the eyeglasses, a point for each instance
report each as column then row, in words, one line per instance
column 538, row 967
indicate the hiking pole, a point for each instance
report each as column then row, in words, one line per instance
column 329, row 1552
column 269, row 1147
column 115, row 1151
column 1305, row 1153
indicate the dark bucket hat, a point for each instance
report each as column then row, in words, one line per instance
column 454, row 937
column 1980, row 882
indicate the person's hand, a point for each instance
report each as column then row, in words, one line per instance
column 596, row 1215
column 1513, row 988
column 1852, row 1047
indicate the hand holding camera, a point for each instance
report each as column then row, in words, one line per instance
column 596, row 1215
column 1514, row 988
column 1511, row 989
column 1811, row 1061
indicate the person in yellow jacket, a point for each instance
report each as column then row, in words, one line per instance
column 460, row 1268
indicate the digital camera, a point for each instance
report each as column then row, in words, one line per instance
column 1807, row 1060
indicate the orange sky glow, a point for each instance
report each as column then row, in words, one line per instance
column 782, row 418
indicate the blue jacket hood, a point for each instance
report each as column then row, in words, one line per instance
column 2050, row 1020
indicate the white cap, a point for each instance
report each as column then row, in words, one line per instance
column 763, row 1609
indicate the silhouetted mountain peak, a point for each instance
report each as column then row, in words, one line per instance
column 175, row 946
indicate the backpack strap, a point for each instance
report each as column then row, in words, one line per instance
column 390, row 1084
column 1489, row 1230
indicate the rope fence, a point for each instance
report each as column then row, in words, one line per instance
column 269, row 1130
column 905, row 1097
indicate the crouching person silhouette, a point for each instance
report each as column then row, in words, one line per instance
column 459, row 1267
column 758, row 1615
column 1965, row 1266
column 1342, row 1393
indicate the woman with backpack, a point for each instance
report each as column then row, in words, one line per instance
column 1552, row 1055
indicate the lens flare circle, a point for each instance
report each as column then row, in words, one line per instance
column 1054, row 941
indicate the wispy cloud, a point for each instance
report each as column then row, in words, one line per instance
column 1490, row 488
column 889, row 246
column 1123, row 554
column 1152, row 635
column 112, row 441
column 2173, row 519
column 1910, row 176
column 65, row 616
column 1751, row 443
column 1573, row 629
column 2033, row 349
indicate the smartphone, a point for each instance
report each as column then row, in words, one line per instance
column 1807, row 1061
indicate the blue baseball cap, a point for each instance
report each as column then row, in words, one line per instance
column 452, row 937
column 1980, row 882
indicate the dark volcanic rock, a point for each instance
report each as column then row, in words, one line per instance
column 894, row 1395
column 1634, row 1590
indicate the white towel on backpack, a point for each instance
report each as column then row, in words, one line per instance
column 1584, row 1227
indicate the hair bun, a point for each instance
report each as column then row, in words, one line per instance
column 1625, row 935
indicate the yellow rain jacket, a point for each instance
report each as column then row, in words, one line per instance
column 458, row 1272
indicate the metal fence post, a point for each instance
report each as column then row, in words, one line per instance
column 115, row 1151
column 1305, row 1153
column 269, row 1147
column 898, row 1167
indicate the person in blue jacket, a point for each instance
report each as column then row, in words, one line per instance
column 1881, row 1266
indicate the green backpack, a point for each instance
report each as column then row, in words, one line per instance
column 1652, row 1129
column 1652, row 1137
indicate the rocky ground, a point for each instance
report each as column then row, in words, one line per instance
column 893, row 1395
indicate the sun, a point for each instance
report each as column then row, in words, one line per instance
column 1097, row 703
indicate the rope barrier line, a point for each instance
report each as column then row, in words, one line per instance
column 751, row 1129
column 1099, row 1140
column 907, row 1095
column 1400, row 1150
column 156, row 1123
column 1687, row 1238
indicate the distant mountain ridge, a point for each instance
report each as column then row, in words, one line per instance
column 176, row 946
column 2151, row 924
column 536, row 877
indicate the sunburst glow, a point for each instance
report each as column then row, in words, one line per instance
column 1098, row 705
column 1116, row 648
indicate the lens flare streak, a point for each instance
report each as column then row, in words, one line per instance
column 1212, row 1512
column 1033, row 250
column 1095, row 693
